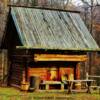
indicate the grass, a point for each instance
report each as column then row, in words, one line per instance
column 14, row 94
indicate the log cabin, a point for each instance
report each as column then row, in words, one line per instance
column 47, row 43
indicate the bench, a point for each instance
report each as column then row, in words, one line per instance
column 70, row 84
column 48, row 83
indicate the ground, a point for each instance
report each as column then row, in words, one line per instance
column 16, row 94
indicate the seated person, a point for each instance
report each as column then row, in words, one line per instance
column 64, row 78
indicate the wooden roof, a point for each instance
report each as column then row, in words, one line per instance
column 49, row 29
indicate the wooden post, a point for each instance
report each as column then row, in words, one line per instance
column 87, row 76
column 78, row 84
column 5, row 66
column 78, row 71
column 25, row 65
column 25, row 83
column 25, row 68
column 23, row 77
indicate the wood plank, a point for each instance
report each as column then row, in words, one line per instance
column 52, row 82
column 59, row 57
column 48, row 83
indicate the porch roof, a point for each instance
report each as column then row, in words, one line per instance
column 50, row 29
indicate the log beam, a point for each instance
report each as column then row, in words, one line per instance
column 59, row 57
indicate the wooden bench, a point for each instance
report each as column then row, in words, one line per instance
column 48, row 83
column 70, row 84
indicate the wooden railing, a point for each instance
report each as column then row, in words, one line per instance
column 95, row 77
column 91, row 76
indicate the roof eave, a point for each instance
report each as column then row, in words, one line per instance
column 67, row 49
column 45, row 8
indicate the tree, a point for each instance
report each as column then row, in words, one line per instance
column 44, row 3
column 90, row 5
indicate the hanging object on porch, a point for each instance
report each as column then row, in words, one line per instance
column 53, row 74
column 68, row 72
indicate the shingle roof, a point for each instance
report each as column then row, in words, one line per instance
column 48, row 29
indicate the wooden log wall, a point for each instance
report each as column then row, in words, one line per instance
column 36, row 68
column 41, row 72
column 17, row 66
column 16, row 70
column 3, row 67
column 54, row 73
